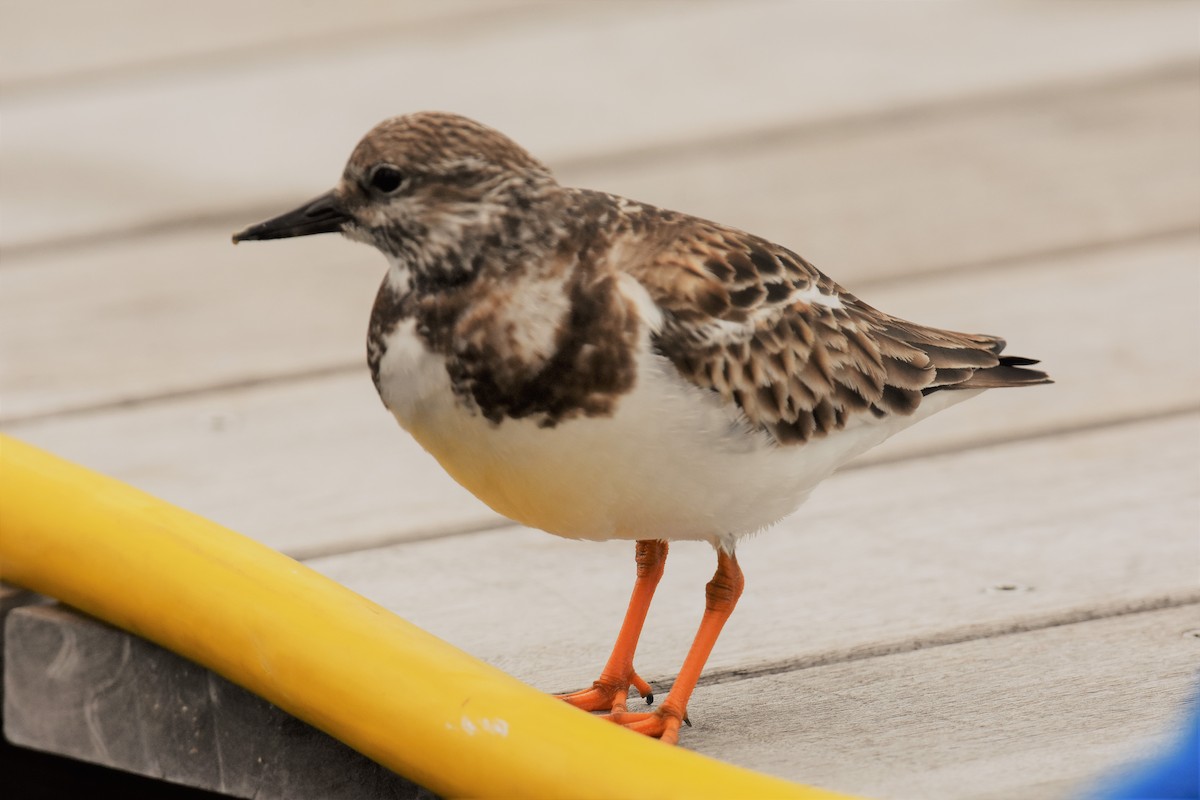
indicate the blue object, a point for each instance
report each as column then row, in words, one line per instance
column 1173, row 776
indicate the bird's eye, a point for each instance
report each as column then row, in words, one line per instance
column 386, row 179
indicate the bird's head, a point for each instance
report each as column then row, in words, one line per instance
column 430, row 190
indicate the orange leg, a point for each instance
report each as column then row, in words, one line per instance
column 721, row 595
column 609, row 692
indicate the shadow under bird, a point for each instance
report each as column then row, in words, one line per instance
column 603, row 369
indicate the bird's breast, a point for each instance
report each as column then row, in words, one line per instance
column 669, row 461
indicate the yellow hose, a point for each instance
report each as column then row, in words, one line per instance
column 324, row 654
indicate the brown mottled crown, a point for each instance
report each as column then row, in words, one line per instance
column 436, row 141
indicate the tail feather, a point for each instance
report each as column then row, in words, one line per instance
column 1017, row 361
column 1009, row 372
column 966, row 360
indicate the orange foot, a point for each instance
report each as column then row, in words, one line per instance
column 662, row 724
column 609, row 694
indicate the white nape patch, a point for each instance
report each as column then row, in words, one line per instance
column 814, row 296
column 648, row 311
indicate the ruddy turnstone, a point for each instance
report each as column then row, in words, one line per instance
column 603, row 369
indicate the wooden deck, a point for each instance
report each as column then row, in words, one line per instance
column 1002, row 602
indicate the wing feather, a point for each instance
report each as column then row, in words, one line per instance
column 798, row 354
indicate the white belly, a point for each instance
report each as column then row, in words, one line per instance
column 671, row 463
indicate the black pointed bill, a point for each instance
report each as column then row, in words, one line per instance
column 325, row 214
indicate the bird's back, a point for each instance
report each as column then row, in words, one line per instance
column 768, row 332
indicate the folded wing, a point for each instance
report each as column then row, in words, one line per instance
column 799, row 355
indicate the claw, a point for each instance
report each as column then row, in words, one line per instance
column 642, row 687
column 687, row 721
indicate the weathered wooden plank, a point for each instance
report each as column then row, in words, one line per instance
column 12, row 598
column 73, row 330
column 145, row 150
column 1037, row 715
column 79, row 688
column 126, row 36
column 880, row 560
column 318, row 464
column 928, row 190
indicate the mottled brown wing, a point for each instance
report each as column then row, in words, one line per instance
column 798, row 354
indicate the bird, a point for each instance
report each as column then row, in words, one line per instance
column 601, row 368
